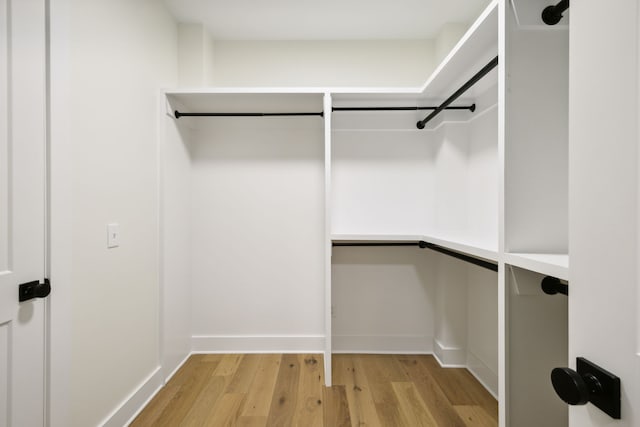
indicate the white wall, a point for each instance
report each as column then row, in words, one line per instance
column 323, row 63
column 175, row 236
column 383, row 300
column 119, row 54
column 195, row 56
column 257, row 245
column 382, row 182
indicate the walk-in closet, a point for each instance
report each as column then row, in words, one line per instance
column 329, row 213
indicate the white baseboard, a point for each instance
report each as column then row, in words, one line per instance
column 124, row 414
column 257, row 344
column 449, row 357
column 483, row 374
column 382, row 344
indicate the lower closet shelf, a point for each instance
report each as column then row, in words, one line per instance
column 473, row 250
column 556, row 265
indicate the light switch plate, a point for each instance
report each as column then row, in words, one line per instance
column 113, row 235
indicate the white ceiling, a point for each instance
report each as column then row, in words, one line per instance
column 325, row 19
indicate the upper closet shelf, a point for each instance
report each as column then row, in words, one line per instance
column 475, row 50
column 556, row 265
column 244, row 102
column 476, row 47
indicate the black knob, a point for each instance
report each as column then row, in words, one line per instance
column 573, row 388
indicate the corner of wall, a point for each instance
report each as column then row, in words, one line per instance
column 195, row 55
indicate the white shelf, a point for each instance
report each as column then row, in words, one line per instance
column 474, row 250
column 243, row 102
column 556, row 265
column 375, row 238
column 476, row 47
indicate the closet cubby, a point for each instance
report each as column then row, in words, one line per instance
column 536, row 143
column 255, row 193
column 537, row 343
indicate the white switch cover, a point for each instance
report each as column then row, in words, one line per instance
column 113, row 235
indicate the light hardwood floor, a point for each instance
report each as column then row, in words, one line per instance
column 287, row 390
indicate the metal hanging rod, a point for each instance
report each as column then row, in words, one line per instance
column 551, row 15
column 480, row 74
column 178, row 114
column 375, row 244
column 464, row 257
column 552, row 285
column 471, row 108
column 426, row 245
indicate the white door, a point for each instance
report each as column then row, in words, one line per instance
column 604, row 189
column 22, row 210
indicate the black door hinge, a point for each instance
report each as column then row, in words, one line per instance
column 34, row 289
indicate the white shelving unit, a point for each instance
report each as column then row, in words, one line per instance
column 266, row 191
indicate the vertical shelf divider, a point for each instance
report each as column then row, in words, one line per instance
column 327, row 238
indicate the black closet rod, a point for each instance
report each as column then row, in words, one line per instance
column 551, row 15
column 178, row 114
column 476, row 261
column 552, row 285
column 426, row 245
column 471, row 108
column 480, row 74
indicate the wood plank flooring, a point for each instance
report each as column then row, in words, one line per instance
column 258, row 390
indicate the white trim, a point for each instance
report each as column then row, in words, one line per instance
column 60, row 217
column 328, row 249
column 257, row 344
column 382, row 344
column 449, row 357
column 483, row 373
column 126, row 412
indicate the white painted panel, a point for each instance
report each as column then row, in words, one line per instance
column 451, row 175
column 536, row 153
column 383, row 182
column 328, row 121
column 451, row 309
column 5, row 238
column 5, row 373
column 382, row 298
column 26, row 202
column 482, row 184
column 603, row 184
column 537, row 343
column 176, row 240
column 258, row 239
column 482, row 325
